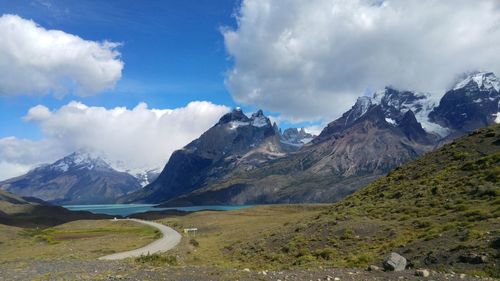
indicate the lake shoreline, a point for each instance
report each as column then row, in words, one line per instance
column 126, row 210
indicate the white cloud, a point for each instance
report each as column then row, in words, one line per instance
column 134, row 139
column 34, row 60
column 311, row 59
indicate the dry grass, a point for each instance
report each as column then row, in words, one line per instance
column 85, row 239
column 217, row 230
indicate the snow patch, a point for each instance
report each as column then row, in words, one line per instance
column 260, row 121
column 233, row 125
column 497, row 119
column 390, row 121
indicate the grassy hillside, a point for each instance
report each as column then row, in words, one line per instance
column 440, row 211
column 82, row 239
column 33, row 212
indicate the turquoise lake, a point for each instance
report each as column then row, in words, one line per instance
column 128, row 209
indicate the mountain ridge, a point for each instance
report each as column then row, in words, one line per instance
column 376, row 135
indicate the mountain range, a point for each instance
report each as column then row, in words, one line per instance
column 249, row 160
column 376, row 135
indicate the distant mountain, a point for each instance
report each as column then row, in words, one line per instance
column 236, row 141
column 474, row 102
column 296, row 137
column 79, row 178
column 147, row 176
column 29, row 211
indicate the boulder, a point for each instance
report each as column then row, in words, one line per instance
column 395, row 262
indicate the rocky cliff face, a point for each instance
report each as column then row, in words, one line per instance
column 235, row 141
column 79, row 178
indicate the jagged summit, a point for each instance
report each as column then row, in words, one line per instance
column 296, row 137
column 237, row 118
column 235, row 115
column 484, row 81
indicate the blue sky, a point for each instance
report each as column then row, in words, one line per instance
column 303, row 62
column 173, row 52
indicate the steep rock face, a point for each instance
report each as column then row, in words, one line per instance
column 472, row 103
column 79, row 178
column 413, row 130
column 235, row 141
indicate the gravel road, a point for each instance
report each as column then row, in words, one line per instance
column 169, row 240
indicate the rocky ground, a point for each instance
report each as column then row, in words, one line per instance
column 99, row 270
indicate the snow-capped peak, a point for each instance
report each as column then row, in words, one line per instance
column 258, row 119
column 483, row 80
column 296, row 137
column 396, row 103
column 79, row 160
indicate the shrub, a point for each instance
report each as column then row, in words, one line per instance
column 348, row 234
column 476, row 215
column 326, row 253
column 157, row 259
column 194, row 242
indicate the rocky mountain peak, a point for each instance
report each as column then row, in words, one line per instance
column 235, row 115
column 79, row 178
column 295, row 136
column 484, row 81
column 474, row 102
column 79, row 160
column 258, row 119
column 412, row 128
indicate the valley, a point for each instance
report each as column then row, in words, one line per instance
column 402, row 212
column 250, row 140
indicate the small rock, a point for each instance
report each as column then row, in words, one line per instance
column 373, row 268
column 422, row 273
column 328, row 278
column 395, row 262
column 336, row 279
column 246, row 269
column 462, row 276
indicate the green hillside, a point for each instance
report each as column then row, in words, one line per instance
column 440, row 211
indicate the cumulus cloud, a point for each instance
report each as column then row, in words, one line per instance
column 130, row 139
column 311, row 59
column 34, row 60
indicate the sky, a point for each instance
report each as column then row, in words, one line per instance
column 112, row 75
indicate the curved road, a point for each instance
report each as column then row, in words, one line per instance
column 169, row 240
